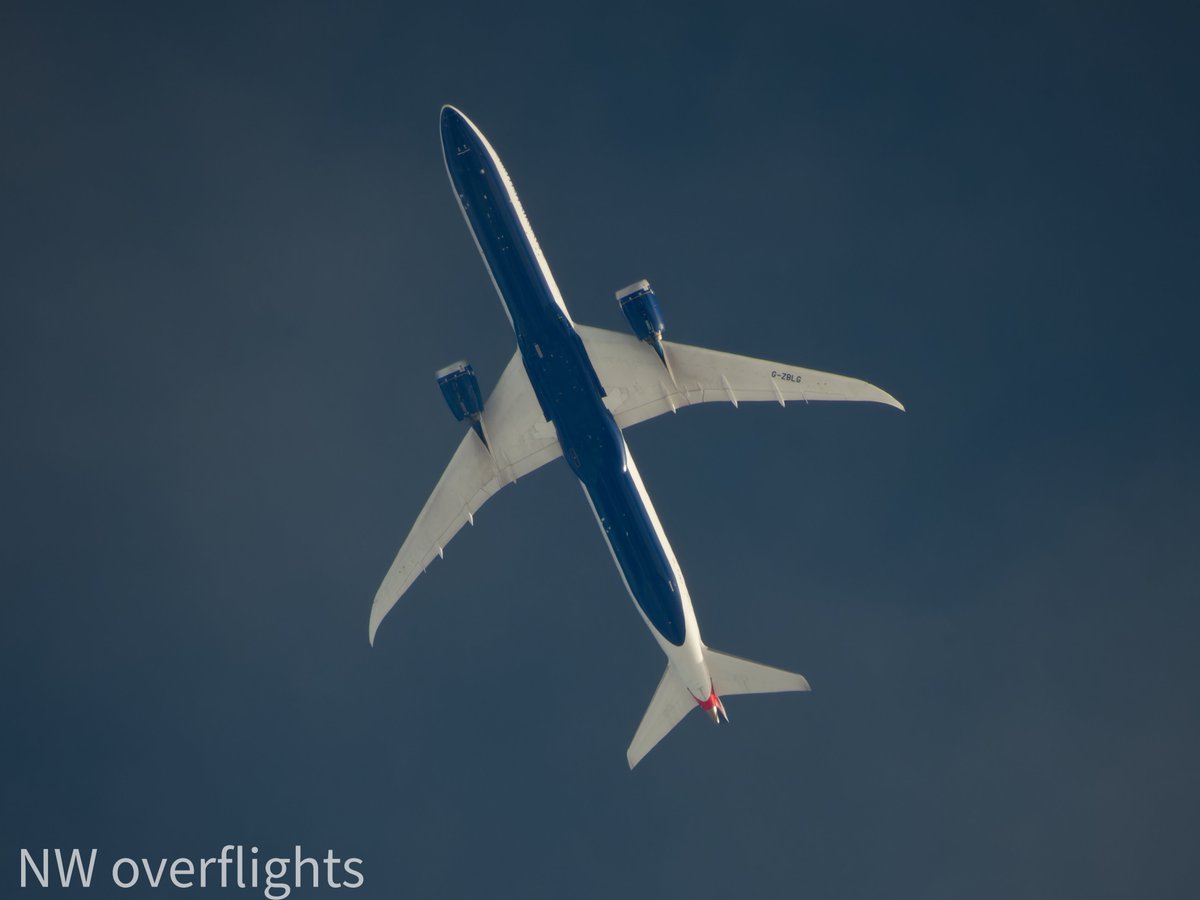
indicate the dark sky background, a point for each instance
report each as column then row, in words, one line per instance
column 232, row 263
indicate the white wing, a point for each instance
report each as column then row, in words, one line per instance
column 639, row 386
column 521, row 440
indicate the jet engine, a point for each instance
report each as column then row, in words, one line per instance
column 461, row 390
column 645, row 318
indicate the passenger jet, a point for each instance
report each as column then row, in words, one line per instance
column 570, row 391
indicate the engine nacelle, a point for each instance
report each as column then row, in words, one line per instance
column 641, row 311
column 643, row 315
column 461, row 390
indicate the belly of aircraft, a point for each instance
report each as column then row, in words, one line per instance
column 567, row 386
column 564, row 380
column 638, row 552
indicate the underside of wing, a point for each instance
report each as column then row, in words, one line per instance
column 640, row 387
column 520, row 440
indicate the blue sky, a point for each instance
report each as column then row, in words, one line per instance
column 232, row 263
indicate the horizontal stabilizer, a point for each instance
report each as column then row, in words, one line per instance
column 672, row 701
column 733, row 675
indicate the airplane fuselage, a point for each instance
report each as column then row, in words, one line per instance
column 572, row 397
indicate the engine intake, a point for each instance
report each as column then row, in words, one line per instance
column 461, row 390
column 640, row 307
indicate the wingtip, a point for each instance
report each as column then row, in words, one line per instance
column 875, row 394
column 379, row 610
column 885, row 397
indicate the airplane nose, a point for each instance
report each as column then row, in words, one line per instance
column 456, row 130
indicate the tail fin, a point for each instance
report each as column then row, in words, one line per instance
column 731, row 675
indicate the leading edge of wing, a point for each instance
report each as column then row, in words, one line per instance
column 640, row 388
column 469, row 480
column 521, row 441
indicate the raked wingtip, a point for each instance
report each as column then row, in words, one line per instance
column 373, row 626
column 887, row 398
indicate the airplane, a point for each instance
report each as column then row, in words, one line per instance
column 570, row 391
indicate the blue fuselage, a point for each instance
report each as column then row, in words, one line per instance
column 562, row 375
